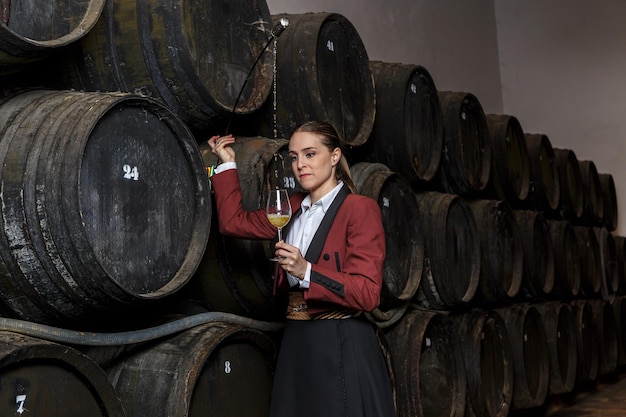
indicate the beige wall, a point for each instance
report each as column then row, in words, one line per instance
column 556, row 65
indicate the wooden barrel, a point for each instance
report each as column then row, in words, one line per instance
column 587, row 348
column 619, row 309
column 558, row 319
column 593, row 207
column 429, row 378
column 407, row 135
column 488, row 361
column 41, row 378
column 404, row 260
column 571, row 197
column 510, row 168
column 545, row 186
column 567, row 262
column 620, row 260
column 195, row 56
column 590, row 261
column 322, row 73
column 608, row 339
column 609, row 201
column 105, row 204
column 466, row 159
column 235, row 275
column 501, row 251
column 538, row 255
column 215, row 369
column 30, row 32
column 530, row 357
column 608, row 257
column 451, row 251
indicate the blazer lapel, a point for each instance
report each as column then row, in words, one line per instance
column 317, row 243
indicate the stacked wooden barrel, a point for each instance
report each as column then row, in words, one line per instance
column 503, row 283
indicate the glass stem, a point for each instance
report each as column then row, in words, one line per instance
column 280, row 236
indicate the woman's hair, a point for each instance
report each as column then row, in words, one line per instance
column 331, row 140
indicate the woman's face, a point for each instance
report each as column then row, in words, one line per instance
column 312, row 163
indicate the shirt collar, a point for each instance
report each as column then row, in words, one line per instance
column 324, row 202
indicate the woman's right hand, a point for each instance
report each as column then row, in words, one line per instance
column 219, row 148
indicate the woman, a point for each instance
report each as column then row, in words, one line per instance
column 330, row 363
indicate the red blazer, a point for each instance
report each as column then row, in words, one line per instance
column 349, row 270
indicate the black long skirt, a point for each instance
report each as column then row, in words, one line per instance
column 331, row 368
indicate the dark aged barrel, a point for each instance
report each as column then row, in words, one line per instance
column 407, row 135
column 488, row 362
column 558, row 319
column 105, row 204
column 404, row 258
column 41, row 378
column 593, row 207
column 210, row 370
column 590, row 261
column 451, row 251
column 30, row 32
column 510, row 168
column 567, row 263
column 620, row 259
column 466, row 159
column 607, row 340
column 501, row 251
column 538, row 254
column 571, row 197
column 235, row 275
column 195, row 56
column 429, row 379
column 619, row 309
column 530, row 357
column 610, row 279
column 323, row 73
column 609, row 201
column 545, row 185
column 587, row 349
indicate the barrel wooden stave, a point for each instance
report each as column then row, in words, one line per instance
column 31, row 32
column 559, row 321
column 214, row 369
column 452, row 259
column 429, row 378
column 43, row 378
column 509, row 179
column 530, row 356
column 538, row 255
column 501, row 251
column 466, row 158
column 407, row 135
column 89, row 246
column 545, row 183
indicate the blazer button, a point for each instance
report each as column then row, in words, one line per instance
column 326, row 257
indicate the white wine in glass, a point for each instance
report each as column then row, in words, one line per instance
column 278, row 210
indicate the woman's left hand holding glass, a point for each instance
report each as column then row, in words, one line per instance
column 291, row 260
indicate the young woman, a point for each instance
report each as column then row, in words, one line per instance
column 330, row 363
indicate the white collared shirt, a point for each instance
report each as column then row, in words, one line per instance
column 304, row 227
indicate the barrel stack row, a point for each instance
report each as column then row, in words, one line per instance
column 106, row 208
column 106, row 220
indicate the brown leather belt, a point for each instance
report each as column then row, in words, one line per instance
column 297, row 309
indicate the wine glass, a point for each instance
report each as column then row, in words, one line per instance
column 278, row 210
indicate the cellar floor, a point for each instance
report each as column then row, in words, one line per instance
column 607, row 398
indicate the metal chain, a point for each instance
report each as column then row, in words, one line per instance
column 274, row 101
